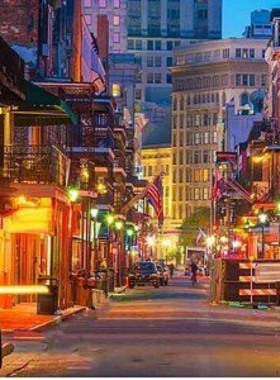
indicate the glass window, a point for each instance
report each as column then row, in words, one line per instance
column 168, row 78
column 150, row 61
column 206, row 137
column 264, row 80
column 263, row 53
column 244, row 99
column 157, row 61
column 87, row 3
column 150, row 170
column 169, row 45
column 197, row 138
column 138, row 45
column 252, row 53
column 150, row 45
column 196, row 157
column 116, row 38
column 169, row 61
column 206, row 156
column 157, row 78
column 205, row 193
column 238, row 79
column 225, row 53
column 206, row 175
column 138, row 94
column 116, row 3
column 158, row 45
column 252, row 80
column 116, row 20
column 215, row 137
column 197, row 175
column 88, row 19
column 196, row 194
column 130, row 44
column 102, row 3
column 237, row 53
column 150, row 78
column 245, row 54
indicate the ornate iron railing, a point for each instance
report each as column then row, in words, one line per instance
column 35, row 165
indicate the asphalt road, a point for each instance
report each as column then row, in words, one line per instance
column 166, row 332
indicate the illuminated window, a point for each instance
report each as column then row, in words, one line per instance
column 205, row 193
column 88, row 19
column 116, row 3
column 102, row 3
column 116, row 20
column 116, row 38
column 206, row 175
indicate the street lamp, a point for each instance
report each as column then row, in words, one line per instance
column 94, row 213
column 262, row 219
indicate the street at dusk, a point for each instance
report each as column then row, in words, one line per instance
column 155, row 333
column 139, row 188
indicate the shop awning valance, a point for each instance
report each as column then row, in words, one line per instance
column 41, row 108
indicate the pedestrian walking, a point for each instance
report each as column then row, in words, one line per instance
column 194, row 269
column 171, row 268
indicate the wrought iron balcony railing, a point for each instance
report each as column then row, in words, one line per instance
column 35, row 165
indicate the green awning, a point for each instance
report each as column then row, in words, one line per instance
column 40, row 108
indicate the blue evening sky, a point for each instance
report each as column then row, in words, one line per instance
column 236, row 14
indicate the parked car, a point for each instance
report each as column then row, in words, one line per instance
column 164, row 274
column 143, row 273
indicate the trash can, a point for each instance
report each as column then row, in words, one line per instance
column 47, row 304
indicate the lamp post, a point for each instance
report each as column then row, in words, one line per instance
column 262, row 219
column 119, row 227
column 94, row 213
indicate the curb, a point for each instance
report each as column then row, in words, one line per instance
column 57, row 319
column 52, row 322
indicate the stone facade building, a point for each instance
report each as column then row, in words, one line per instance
column 206, row 77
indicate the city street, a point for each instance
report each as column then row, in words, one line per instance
column 171, row 331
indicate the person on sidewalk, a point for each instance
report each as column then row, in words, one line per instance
column 194, row 269
column 171, row 268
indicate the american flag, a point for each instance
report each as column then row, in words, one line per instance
column 216, row 190
column 154, row 197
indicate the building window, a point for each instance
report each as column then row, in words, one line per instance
column 181, row 157
column 197, row 175
column 116, row 3
column 169, row 78
column 263, row 53
column 87, row 3
column 237, row 53
column 116, row 20
column 138, row 94
column 102, row 3
column 175, row 104
column 238, row 80
column 225, row 53
column 157, row 61
column 197, row 138
column 215, row 137
column 150, row 61
column 169, row 61
column 150, row 78
column 205, row 193
column 252, row 53
column 138, row 45
column 206, row 156
column 116, row 38
column 206, row 175
column 169, row 45
column 158, row 45
column 130, row 44
column 150, row 45
column 150, row 171
column 158, row 78
column 252, row 81
column 196, row 194
column 196, row 158
column 167, row 170
column 245, row 54
column 88, row 19
column 206, row 137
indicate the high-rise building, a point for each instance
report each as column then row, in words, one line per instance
column 156, row 27
column 101, row 15
column 260, row 26
column 206, row 77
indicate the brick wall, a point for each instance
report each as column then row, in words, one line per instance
column 19, row 21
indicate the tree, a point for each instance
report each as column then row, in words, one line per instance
column 200, row 218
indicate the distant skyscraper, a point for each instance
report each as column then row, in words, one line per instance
column 155, row 27
column 260, row 26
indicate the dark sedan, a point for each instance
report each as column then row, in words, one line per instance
column 143, row 273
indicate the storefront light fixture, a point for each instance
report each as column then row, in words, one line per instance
column 119, row 225
column 94, row 212
column 262, row 217
column 73, row 195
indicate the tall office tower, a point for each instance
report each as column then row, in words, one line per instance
column 155, row 27
column 260, row 26
column 206, row 77
column 101, row 15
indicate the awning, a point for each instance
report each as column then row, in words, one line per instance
column 40, row 108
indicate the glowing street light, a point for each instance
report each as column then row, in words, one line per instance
column 94, row 212
column 73, row 195
column 119, row 225
column 151, row 241
column 210, row 240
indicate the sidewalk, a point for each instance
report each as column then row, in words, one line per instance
column 24, row 317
